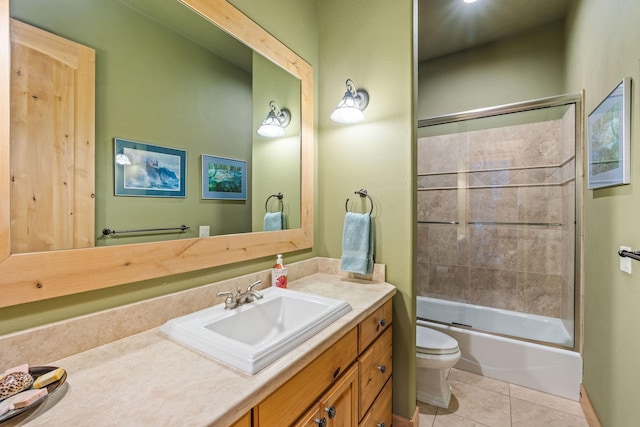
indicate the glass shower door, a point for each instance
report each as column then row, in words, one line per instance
column 497, row 221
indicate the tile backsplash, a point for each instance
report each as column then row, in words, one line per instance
column 43, row 344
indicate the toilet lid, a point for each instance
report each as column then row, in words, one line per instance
column 429, row 341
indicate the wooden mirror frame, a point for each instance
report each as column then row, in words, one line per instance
column 42, row 275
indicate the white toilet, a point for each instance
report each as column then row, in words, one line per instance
column 435, row 353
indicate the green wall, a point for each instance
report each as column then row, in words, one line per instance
column 603, row 47
column 371, row 42
column 276, row 161
column 521, row 68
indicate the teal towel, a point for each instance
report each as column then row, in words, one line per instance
column 357, row 244
column 273, row 221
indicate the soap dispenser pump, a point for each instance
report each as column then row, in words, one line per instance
column 279, row 273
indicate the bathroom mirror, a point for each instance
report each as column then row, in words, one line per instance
column 207, row 97
column 40, row 275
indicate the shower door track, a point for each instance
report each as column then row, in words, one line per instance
column 516, row 107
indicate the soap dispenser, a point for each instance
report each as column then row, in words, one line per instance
column 279, row 273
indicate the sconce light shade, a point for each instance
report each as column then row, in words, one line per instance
column 277, row 119
column 349, row 109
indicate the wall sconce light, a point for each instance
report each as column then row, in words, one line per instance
column 277, row 119
column 349, row 109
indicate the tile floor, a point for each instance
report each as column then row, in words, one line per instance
column 484, row 402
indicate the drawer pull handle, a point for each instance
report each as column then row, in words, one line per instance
column 336, row 373
column 331, row 411
column 380, row 425
column 381, row 323
column 322, row 422
column 382, row 368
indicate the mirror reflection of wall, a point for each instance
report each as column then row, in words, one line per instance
column 167, row 87
column 276, row 161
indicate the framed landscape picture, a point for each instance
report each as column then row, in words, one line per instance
column 609, row 139
column 223, row 178
column 149, row 170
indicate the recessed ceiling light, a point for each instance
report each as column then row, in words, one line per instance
column 470, row 1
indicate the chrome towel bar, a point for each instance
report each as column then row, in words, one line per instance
column 108, row 231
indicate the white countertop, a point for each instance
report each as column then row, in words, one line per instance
column 148, row 379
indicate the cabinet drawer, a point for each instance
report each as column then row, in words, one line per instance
column 290, row 401
column 374, row 325
column 381, row 411
column 375, row 366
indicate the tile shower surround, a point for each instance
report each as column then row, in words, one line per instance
column 515, row 174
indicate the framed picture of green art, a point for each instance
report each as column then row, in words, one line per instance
column 223, row 178
column 609, row 139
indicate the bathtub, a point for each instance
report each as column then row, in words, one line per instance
column 541, row 367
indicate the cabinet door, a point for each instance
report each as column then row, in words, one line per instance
column 340, row 404
column 313, row 418
column 245, row 421
column 289, row 402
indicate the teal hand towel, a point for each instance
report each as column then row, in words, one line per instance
column 273, row 221
column 357, row 244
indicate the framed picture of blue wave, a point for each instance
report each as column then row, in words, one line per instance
column 149, row 170
column 223, row 179
column 609, row 139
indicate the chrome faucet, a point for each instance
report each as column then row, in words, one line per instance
column 233, row 301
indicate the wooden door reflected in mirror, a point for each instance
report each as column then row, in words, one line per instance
column 52, row 141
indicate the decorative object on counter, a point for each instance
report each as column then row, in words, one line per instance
column 47, row 380
column 279, row 273
column 223, row 178
column 107, row 231
column 609, row 136
column 149, row 170
column 349, row 109
column 274, row 220
column 277, row 119
column 14, row 383
column 357, row 240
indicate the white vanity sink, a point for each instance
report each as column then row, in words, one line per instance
column 256, row 334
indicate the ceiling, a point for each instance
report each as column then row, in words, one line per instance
column 448, row 26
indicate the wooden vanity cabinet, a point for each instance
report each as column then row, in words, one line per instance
column 284, row 406
column 353, row 377
column 375, row 348
column 380, row 413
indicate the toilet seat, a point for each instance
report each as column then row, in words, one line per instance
column 429, row 341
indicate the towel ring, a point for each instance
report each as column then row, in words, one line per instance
column 362, row 193
column 280, row 196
